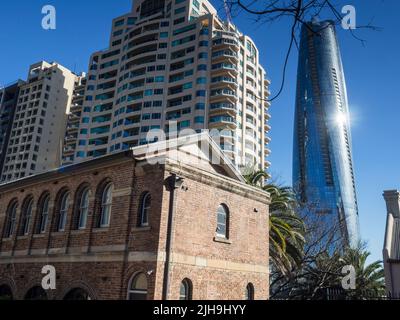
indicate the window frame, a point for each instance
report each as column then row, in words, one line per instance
column 64, row 205
column 84, row 203
column 187, row 285
column 44, row 212
column 26, row 217
column 145, row 207
column 132, row 290
column 106, row 205
column 11, row 220
column 225, row 211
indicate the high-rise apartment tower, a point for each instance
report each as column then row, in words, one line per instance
column 38, row 125
column 175, row 63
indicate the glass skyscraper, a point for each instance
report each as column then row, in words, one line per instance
column 322, row 161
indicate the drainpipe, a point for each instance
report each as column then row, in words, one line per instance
column 172, row 183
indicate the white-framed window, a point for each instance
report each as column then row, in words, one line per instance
column 11, row 220
column 64, row 207
column 222, row 222
column 26, row 217
column 145, row 210
column 185, row 291
column 83, row 209
column 138, row 287
column 44, row 214
column 106, row 204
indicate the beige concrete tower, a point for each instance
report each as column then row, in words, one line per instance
column 35, row 143
column 174, row 65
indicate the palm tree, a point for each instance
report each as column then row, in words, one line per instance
column 286, row 229
column 325, row 275
column 370, row 281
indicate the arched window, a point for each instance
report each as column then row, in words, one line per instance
column 106, row 203
column 43, row 214
column 77, row 294
column 5, row 293
column 145, row 206
column 63, row 211
column 223, row 222
column 36, row 293
column 26, row 217
column 185, row 292
column 138, row 287
column 11, row 220
column 83, row 209
column 250, row 292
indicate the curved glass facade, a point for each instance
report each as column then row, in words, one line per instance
column 322, row 162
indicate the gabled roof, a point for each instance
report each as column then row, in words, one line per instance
column 199, row 146
column 187, row 149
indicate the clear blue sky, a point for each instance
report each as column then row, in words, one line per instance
column 372, row 73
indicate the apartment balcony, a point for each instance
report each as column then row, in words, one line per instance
column 223, row 95
column 71, row 136
column 230, row 149
column 132, row 120
column 72, row 128
column 267, row 127
column 221, row 69
column 70, row 140
column 73, row 118
column 267, row 82
column 228, row 136
column 267, row 140
column 267, row 91
column 225, row 55
column 222, row 122
column 224, row 81
column 223, row 108
column 68, row 151
column 224, row 42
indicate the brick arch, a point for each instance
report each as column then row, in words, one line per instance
column 34, row 282
column 27, row 200
column 39, row 206
column 7, row 281
column 56, row 210
column 98, row 200
column 78, row 284
column 77, row 202
column 12, row 202
column 142, row 196
column 131, row 273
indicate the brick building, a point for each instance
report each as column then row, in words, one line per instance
column 137, row 225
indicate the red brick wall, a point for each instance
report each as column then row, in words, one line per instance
column 106, row 275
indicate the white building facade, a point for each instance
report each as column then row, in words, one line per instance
column 174, row 65
column 391, row 248
column 38, row 126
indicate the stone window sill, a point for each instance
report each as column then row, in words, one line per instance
column 58, row 233
column 222, row 240
column 100, row 230
column 80, row 231
column 38, row 236
column 141, row 229
column 22, row 238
